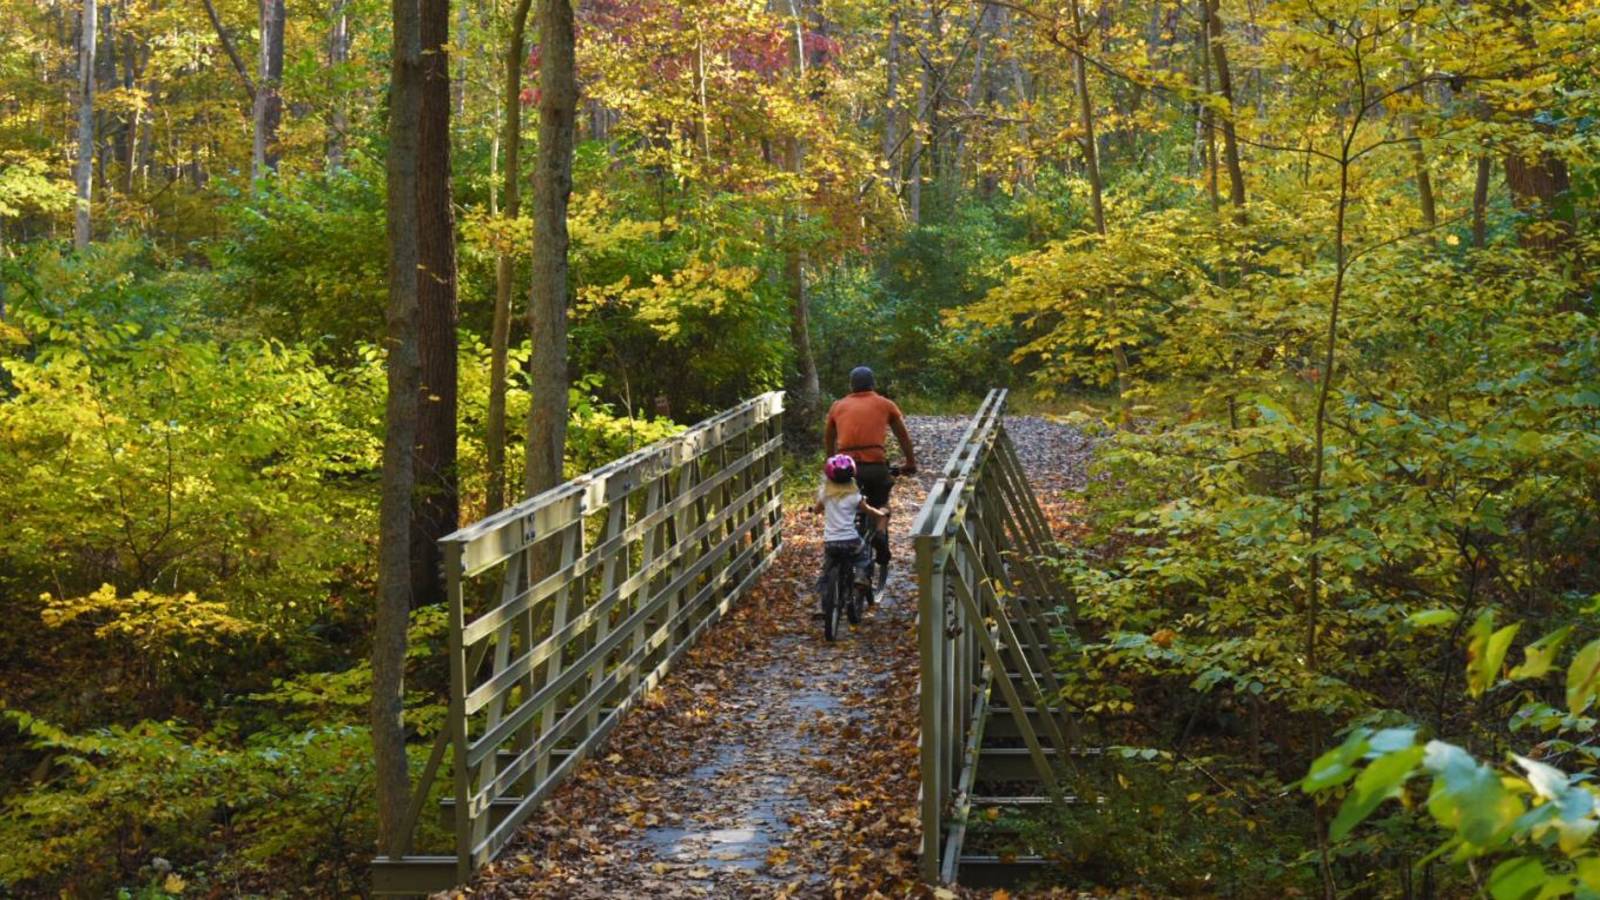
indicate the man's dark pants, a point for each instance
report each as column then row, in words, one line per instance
column 874, row 481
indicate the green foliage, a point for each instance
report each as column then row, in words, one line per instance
column 1162, row 827
column 26, row 186
column 671, row 299
column 148, row 459
column 889, row 313
column 116, row 798
column 304, row 260
column 1537, row 820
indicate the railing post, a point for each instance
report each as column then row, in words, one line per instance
column 930, row 641
column 457, row 709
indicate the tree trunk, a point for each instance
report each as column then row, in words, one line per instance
column 931, row 163
column 891, row 92
column 85, row 167
column 1091, row 157
column 547, row 306
column 131, row 69
column 435, row 506
column 919, row 126
column 1424, row 181
column 268, row 112
column 1019, row 94
column 1091, row 168
column 1230, row 140
column 338, row 56
column 983, row 30
column 1537, row 187
column 808, row 390
column 393, row 780
column 1419, row 161
column 1208, row 115
column 500, row 333
column 808, row 393
column 1480, row 201
column 239, row 67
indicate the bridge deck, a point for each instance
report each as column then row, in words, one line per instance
column 770, row 760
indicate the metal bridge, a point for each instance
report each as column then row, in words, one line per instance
column 565, row 609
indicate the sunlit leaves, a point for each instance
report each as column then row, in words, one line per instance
column 1380, row 780
column 1540, row 655
column 1583, row 678
column 1486, row 650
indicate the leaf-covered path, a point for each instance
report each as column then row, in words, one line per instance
column 771, row 763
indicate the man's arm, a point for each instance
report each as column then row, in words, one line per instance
column 898, row 423
column 830, row 436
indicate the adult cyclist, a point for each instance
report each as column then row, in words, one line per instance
column 858, row 426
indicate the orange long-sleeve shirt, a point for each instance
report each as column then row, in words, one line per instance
column 859, row 423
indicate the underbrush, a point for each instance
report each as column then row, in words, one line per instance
column 1163, row 827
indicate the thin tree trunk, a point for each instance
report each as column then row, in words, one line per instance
column 809, row 387
column 891, row 95
column 919, row 126
column 809, row 400
column 458, row 84
column 268, row 112
column 131, row 69
column 1230, row 139
column 1424, row 182
column 552, row 187
column 500, row 330
column 983, row 29
column 1019, row 88
column 435, row 505
column 232, row 51
column 1091, row 168
column 1091, row 156
column 702, row 125
column 1208, row 115
column 932, row 163
column 392, row 779
column 338, row 56
column 85, row 168
column 1419, row 161
column 1480, row 201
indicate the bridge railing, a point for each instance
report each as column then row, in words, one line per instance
column 986, row 610
column 566, row 608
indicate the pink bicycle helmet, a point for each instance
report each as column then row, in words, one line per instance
column 840, row 468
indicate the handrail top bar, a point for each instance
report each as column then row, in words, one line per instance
column 945, row 495
column 763, row 407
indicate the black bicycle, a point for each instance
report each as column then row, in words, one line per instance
column 842, row 597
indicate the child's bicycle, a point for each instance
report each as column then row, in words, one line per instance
column 842, row 598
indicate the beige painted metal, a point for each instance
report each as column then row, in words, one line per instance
column 566, row 608
column 987, row 603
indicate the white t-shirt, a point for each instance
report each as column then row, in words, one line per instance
column 839, row 516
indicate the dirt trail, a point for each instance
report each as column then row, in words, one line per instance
column 772, row 763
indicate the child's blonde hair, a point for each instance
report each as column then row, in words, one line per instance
column 835, row 490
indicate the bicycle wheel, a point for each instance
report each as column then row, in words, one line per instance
column 830, row 604
column 852, row 601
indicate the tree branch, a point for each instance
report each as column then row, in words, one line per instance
column 228, row 48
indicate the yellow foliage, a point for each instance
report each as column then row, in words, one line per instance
column 149, row 620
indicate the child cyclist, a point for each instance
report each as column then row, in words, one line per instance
column 839, row 499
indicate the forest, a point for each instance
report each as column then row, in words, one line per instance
column 289, row 289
